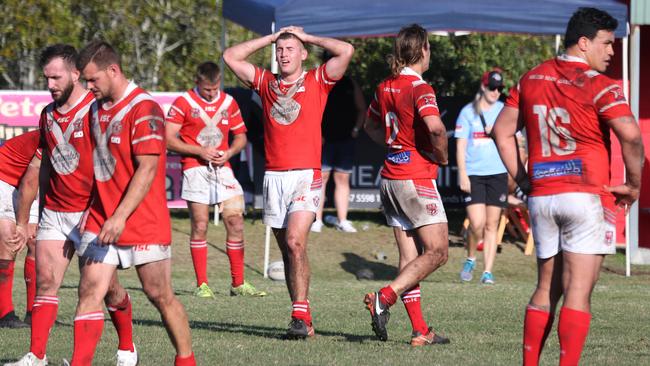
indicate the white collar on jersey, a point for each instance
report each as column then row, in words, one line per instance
column 196, row 91
column 130, row 88
column 409, row 71
column 569, row 58
column 76, row 103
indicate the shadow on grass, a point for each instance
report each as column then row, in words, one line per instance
column 353, row 263
column 256, row 330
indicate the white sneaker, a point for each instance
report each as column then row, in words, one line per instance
column 127, row 358
column 331, row 220
column 316, row 226
column 29, row 359
column 346, row 227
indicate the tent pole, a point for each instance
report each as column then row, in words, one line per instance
column 633, row 216
column 274, row 62
column 626, row 92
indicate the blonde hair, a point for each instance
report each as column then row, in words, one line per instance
column 407, row 49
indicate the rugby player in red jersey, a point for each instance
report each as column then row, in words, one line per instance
column 128, row 223
column 404, row 117
column 15, row 157
column 67, row 183
column 293, row 104
column 568, row 109
column 199, row 123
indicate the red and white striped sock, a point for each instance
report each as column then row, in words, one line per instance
column 411, row 300
column 121, row 315
column 235, row 251
column 300, row 310
column 87, row 333
column 6, row 286
column 29, row 274
column 43, row 318
column 199, row 250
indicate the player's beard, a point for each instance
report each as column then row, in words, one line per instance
column 65, row 94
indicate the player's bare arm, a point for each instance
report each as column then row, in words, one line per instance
column 235, row 57
column 238, row 143
column 341, row 51
column 628, row 133
column 504, row 133
column 175, row 144
column 138, row 188
column 463, row 178
column 27, row 192
column 375, row 131
column 438, row 138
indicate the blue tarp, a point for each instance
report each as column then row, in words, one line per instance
column 359, row 18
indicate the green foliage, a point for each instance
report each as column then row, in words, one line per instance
column 162, row 41
column 457, row 62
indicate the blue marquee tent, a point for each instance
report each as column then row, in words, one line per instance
column 357, row 18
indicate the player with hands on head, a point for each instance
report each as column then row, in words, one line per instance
column 293, row 104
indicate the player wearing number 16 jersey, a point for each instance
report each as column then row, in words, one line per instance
column 568, row 109
column 404, row 117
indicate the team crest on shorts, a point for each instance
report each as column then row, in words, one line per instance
column 609, row 237
column 432, row 209
column 502, row 198
column 195, row 113
column 316, row 201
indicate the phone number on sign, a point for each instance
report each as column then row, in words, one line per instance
column 364, row 198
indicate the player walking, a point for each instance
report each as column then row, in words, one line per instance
column 404, row 117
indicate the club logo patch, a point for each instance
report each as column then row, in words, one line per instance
column 432, row 209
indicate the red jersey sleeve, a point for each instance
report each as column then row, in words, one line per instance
column 261, row 76
column 424, row 99
column 324, row 80
column 236, row 121
column 148, row 129
column 374, row 111
column 176, row 113
column 609, row 99
column 512, row 100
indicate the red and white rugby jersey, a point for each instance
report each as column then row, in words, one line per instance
column 205, row 123
column 564, row 104
column 132, row 126
column 69, row 146
column 293, row 113
column 16, row 154
column 401, row 103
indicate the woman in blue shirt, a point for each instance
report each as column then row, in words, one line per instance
column 481, row 174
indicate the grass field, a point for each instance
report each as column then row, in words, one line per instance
column 483, row 323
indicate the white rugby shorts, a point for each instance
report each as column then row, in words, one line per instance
column 575, row 222
column 410, row 204
column 289, row 191
column 121, row 256
column 56, row 225
column 210, row 186
column 9, row 201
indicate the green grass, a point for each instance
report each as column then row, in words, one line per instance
column 483, row 323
